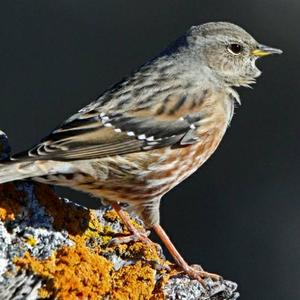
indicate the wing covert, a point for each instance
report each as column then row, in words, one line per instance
column 95, row 134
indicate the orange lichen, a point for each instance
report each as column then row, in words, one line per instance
column 111, row 216
column 141, row 251
column 10, row 202
column 73, row 273
column 149, row 252
column 65, row 215
column 78, row 273
column 133, row 282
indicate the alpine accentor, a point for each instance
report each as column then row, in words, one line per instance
column 153, row 129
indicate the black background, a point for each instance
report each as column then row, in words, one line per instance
column 239, row 214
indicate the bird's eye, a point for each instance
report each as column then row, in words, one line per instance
column 235, row 48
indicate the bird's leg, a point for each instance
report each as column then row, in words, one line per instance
column 194, row 272
column 136, row 235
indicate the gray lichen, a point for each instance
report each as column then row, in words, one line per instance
column 31, row 232
column 184, row 288
column 21, row 286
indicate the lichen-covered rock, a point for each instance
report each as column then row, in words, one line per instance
column 51, row 248
column 186, row 289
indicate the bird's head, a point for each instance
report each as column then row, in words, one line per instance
column 229, row 51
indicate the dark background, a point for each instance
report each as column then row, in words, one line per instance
column 239, row 214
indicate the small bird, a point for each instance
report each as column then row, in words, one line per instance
column 152, row 130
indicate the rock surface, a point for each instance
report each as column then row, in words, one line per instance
column 51, row 248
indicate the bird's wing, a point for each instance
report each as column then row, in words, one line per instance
column 94, row 133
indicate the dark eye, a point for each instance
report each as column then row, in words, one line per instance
column 235, row 48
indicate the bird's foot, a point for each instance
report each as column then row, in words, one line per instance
column 196, row 272
column 140, row 235
column 135, row 236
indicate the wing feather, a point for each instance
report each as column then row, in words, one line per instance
column 96, row 133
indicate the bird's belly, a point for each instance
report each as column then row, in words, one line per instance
column 168, row 167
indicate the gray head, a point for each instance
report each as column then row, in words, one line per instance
column 227, row 50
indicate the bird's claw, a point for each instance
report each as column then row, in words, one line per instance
column 137, row 236
column 196, row 272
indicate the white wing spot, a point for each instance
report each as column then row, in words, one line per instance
column 152, row 143
column 147, row 147
column 105, row 119
column 130, row 133
column 142, row 137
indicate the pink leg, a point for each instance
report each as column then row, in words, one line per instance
column 193, row 272
column 137, row 235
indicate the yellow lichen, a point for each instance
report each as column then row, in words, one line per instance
column 112, row 216
column 94, row 228
column 31, row 241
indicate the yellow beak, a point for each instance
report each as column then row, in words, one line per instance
column 263, row 50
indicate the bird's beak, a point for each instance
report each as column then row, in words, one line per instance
column 263, row 50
